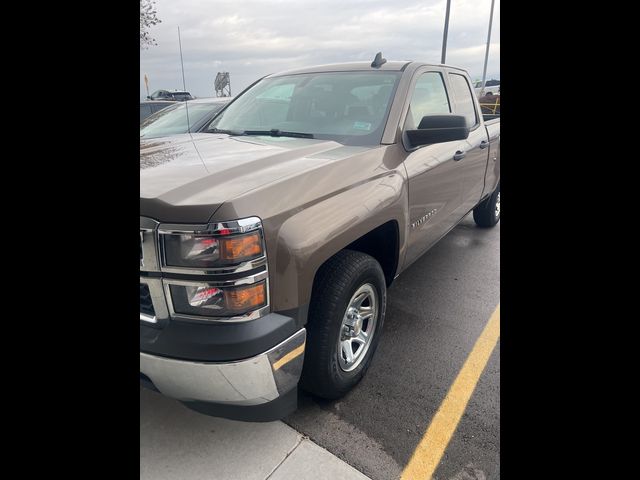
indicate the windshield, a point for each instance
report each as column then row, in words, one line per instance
column 173, row 119
column 348, row 107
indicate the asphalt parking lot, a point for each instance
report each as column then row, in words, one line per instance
column 437, row 310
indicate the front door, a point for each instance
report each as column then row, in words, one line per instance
column 435, row 200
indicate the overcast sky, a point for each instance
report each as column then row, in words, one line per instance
column 252, row 38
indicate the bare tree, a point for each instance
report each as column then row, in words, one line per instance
column 148, row 18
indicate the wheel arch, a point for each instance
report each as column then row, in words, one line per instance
column 314, row 235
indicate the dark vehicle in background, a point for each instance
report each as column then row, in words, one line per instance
column 152, row 106
column 176, row 95
column 172, row 120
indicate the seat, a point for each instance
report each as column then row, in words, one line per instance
column 358, row 112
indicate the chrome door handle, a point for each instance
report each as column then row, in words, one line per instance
column 459, row 155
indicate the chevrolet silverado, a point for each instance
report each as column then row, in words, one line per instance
column 268, row 240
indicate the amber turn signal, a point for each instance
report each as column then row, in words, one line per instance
column 246, row 298
column 241, row 247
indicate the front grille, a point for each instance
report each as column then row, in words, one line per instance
column 146, row 305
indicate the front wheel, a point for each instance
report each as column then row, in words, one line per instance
column 345, row 322
column 487, row 213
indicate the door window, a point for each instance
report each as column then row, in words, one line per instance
column 429, row 98
column 463, row 99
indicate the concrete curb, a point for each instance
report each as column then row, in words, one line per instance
column 177, row 443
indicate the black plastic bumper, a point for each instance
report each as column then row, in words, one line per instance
column 220, row 342
column 266, row 412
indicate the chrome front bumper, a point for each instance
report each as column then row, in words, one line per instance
column 253, row 381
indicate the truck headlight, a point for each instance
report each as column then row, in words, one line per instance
column 219, row 248
column 213, row 301
column 229, row 260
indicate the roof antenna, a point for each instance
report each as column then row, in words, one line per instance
column 184, row 86
column 378, row 61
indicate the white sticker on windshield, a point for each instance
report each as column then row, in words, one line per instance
column 361, row 126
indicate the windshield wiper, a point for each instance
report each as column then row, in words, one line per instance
column 228, row 132
column 274, row 132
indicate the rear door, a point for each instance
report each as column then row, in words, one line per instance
column 472, row 167
column 435, row 202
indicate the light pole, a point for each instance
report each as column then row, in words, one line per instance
column 486, row 55
column 446, row 31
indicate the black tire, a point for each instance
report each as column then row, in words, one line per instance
column 485, row 214
column 335, row 284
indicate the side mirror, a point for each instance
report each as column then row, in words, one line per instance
column 438, row 129
column 149, row 97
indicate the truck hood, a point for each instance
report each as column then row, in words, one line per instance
column 185, row 178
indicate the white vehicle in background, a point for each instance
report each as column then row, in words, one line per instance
column 492, row 86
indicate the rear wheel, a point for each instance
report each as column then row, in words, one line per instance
column 487, row 213
column 345, row 321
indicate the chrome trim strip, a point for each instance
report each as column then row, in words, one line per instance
column 221, row 283
column 242, row 225
column 157, row 298
column 243, row 267
column 261, row 312
column 147, row 318
column 286, row 361
column 149, row 262
column 174, row 228
column 148, row 223
column 251, row 381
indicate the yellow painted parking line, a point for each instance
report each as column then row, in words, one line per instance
column 427, row 455
column 288, row 357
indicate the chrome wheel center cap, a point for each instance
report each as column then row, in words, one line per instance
column 354, row 322
column 357, row 326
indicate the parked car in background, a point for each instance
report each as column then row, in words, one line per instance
column 172, row 120
column 182, row 96
column 490, row 86
column 152, row 106
column 176, row 95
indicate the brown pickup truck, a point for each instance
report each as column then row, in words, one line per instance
column 268, row 239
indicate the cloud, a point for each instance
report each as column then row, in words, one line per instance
column 253, row 38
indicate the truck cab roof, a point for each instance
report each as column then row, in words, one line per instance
column 389, row 66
